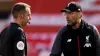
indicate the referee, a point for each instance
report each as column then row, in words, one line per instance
column 12, row 38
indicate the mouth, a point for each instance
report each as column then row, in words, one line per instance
column 28, row 22
column 68, row 21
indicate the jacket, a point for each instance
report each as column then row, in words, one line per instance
column 13, row 41
column 83, row 41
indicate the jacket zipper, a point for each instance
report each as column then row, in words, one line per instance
column 78, row 42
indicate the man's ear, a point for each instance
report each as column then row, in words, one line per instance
column 81, row 14
column 20, row 16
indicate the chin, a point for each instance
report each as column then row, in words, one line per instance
column 69, row 24
column 25, row 25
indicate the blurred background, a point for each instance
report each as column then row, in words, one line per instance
column 47, row 20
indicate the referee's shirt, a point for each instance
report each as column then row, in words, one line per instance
column 13, row 41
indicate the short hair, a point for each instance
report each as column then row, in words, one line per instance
column 19, row 7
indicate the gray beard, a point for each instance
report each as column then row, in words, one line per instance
column 73, row 24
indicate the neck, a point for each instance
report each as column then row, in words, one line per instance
column 18, row 22
column 77, row 25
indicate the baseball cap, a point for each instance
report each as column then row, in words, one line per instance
column 71, row 7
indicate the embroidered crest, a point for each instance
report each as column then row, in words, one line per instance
column 87, row 44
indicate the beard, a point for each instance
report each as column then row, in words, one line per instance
column 73, row 23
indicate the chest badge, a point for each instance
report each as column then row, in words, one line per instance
column 69, row 40
column 87, row 43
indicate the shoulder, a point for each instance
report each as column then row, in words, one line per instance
column 94, row 28
column 15, row 29
column 91, row 27
column 19, row 30
column 63, row 29
column 4, row 30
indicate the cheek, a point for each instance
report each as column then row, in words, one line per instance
column 72, row 17
column 76, row 16
column 26, row 18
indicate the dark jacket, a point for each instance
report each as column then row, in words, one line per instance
column 13, row 41
column 84, row 41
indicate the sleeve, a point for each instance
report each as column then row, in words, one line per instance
column 56, row 48
column 97, row 36
column 19, row 44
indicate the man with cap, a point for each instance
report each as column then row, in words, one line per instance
column 77, row 38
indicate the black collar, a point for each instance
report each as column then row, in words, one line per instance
column 15, row 24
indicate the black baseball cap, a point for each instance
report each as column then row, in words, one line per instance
column 72, row 7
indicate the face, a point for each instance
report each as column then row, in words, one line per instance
column 72, row 17
column 26, row 17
